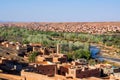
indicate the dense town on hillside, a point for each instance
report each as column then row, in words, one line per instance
column 41, row 51
column 48, row 64
column 84, row 27
column 60, row 40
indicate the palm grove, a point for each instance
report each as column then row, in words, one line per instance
column 75, row 45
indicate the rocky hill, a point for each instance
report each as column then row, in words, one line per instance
column 84, row 27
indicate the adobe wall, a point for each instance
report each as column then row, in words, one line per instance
column 47, row 69
column 88, row 73
column 35, row 76
column 63, row 70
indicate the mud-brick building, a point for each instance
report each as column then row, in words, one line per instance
column 44, row 68
column 55, row 58
column 79, row 71
column 39, row 48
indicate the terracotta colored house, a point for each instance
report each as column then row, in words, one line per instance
column 79, row 71
column 39, row 48
column 45, row 68
column 55, row 58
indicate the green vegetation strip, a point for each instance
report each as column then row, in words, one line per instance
column 71, row 43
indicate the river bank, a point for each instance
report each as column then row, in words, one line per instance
column 97, row 54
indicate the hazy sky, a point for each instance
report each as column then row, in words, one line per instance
column 60, row 10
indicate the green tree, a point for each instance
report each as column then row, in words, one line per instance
column 82, row 54
column 32, row 56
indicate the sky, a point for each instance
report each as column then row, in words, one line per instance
column 60, row 10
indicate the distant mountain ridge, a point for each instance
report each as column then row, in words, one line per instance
column 84, row 27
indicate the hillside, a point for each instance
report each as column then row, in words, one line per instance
column 83, row 27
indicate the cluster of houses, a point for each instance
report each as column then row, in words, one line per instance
column 51, row 64
column 94, row 28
